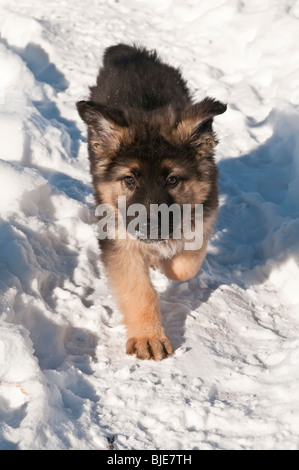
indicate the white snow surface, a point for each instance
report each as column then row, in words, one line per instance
column 65, row 380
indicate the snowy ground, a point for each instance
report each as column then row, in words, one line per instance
column 65, row 381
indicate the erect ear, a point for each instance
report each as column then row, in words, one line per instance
column 106, row 126
column 196, row 121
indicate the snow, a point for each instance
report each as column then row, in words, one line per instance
column 65, row 381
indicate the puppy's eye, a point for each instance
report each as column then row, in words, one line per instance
column 172, row 181
column 130, row 181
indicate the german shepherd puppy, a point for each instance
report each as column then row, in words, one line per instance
column 149, row 143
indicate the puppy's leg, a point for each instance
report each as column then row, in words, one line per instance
column 184, row 265
column 128, row 274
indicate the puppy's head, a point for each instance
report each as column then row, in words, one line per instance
column 153, row 158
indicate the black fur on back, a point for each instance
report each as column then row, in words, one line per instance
column 133, row 77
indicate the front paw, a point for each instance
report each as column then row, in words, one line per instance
column 156, row 347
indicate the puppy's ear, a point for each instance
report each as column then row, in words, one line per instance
column 106, row 126
column 195, row 124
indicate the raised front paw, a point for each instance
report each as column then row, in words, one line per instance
column 156, row 347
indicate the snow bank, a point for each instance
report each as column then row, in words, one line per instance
column 65, row 382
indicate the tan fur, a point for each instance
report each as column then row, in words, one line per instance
column 186, row 264
column 110, row 137
column 183, row 131
column 196, row 191
column 190, row 119
column 108, row 192
column 128, row 272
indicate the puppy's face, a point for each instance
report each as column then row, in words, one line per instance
column 163, row 157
